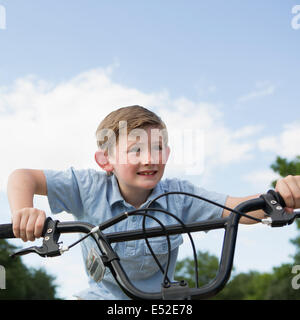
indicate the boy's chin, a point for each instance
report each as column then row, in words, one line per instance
column 148, row 185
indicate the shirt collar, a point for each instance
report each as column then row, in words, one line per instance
column 115, row 196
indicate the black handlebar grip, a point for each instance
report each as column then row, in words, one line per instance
column 6, row 231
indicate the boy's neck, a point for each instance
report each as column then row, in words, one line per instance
column 135, row 197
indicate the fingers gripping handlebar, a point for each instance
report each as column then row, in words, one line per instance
column 50, row 247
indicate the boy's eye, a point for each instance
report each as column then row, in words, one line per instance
column 157, row 147
column 134, row 149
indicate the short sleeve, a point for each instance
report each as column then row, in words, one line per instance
column 63, row 192
column 194, row 209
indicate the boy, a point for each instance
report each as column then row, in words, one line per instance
column 133, row 151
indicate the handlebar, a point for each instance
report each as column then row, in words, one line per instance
column 271, row 203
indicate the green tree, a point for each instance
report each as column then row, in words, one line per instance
column 247, row 286
column 280, row 287
column 22, row 282
column 207, row 269
column 284, row 167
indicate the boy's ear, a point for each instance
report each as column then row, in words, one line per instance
column 168, row 150
column 103, row 161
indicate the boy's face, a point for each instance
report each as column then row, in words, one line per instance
column 139, row 159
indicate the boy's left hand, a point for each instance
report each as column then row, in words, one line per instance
column 289, row 189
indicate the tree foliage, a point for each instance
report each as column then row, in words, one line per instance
column 207, row 265
column 22, row 282
column 285, row 167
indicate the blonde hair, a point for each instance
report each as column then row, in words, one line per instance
column 134, row 116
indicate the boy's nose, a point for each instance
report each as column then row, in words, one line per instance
column 148, row 158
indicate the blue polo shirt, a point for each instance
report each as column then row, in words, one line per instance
column 94, row 197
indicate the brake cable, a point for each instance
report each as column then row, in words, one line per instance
column 207, row 200
column 189, row 235
column 141, row 211
column 192, row 242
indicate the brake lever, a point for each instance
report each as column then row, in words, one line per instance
column 274, row 208
column 50, row 247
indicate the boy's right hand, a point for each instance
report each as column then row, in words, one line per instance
column 28, row 223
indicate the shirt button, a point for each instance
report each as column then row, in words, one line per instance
column 134, row 218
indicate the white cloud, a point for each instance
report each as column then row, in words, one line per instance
column 260, row 179
column 262, row 89
column 247, row 131
column 219, row 144
column 46, row 125
column 285, row 144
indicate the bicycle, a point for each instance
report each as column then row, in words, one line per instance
column 271, row 203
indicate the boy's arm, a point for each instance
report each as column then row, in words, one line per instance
column 23, row 184
column 232, row 202
column 289, row 189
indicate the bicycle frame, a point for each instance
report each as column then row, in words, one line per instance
column 271, row 203
column 230, row 224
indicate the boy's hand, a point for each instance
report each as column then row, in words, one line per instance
column 289, row 189
column 28, row 223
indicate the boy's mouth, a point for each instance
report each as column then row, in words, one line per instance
column 147, row 173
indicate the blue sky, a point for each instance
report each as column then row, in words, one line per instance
column 232, row 66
